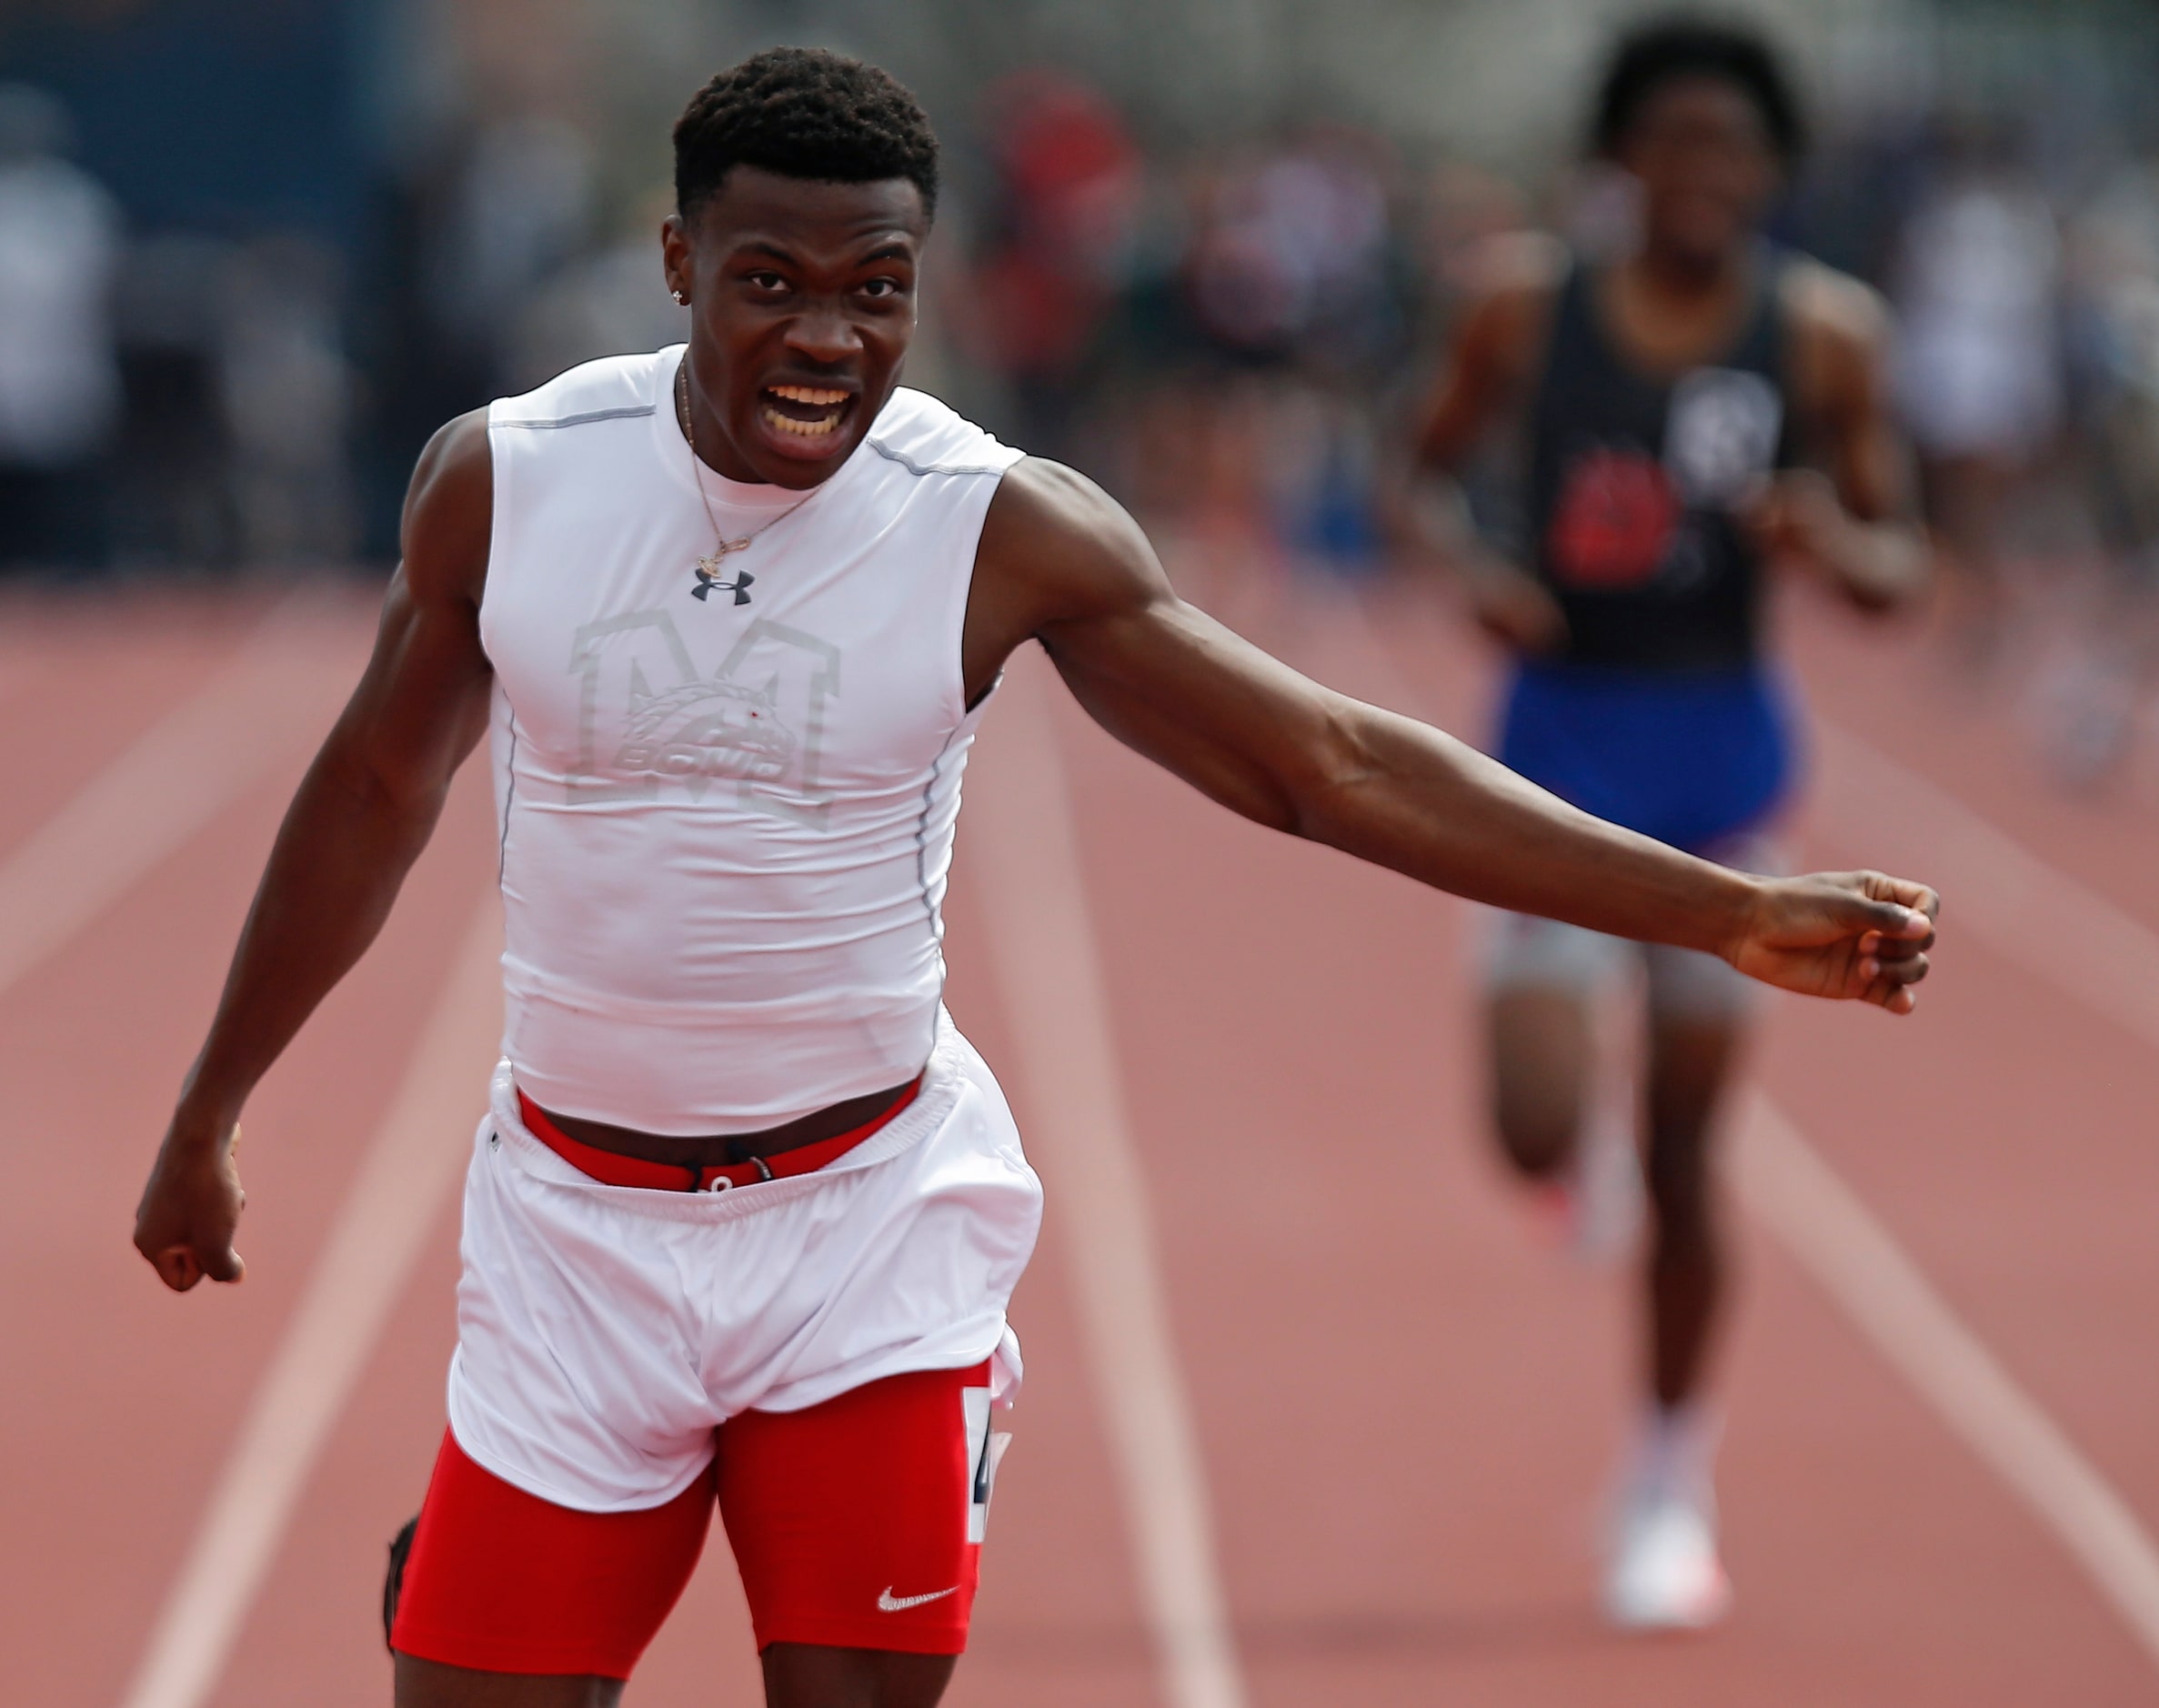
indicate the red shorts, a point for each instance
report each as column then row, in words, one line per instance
column 856, row 1523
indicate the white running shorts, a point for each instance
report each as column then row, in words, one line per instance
column 604, row 1331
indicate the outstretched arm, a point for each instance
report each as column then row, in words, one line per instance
column 364, row 812
column 1060, row 561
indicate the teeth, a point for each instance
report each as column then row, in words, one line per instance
column 816, row 395
column 801, row 429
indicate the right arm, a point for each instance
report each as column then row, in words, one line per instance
column 1490, row 363
column 364, row 812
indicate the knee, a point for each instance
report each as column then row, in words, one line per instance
column 1539, row 1064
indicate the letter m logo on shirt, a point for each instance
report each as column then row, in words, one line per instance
column 649, row 719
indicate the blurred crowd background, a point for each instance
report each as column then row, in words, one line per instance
column 253, row 251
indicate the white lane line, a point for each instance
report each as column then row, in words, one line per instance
column 275, row 696
column 2010, row 898
column 412, row 1161
column 1788, row 1186
column 1041, row 942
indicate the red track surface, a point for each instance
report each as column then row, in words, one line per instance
column 1408, row 1409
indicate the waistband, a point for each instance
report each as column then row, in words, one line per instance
column 612, row 1168
column 1752, row 675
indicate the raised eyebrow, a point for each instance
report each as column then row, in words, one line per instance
column 888, row 251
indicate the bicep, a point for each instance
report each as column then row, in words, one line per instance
column 1063, row 564
column 1180, row 689
column 422, row 701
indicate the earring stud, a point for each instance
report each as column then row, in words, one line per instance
column 682, row 297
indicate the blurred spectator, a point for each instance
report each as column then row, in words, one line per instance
column 517, row 208
column 1294, row 273
column 288, row 396
column 610, row 303
column 60, row 384
column 2089, row 705
column 1057, row 247
column 173, row 504
column 1291, row 258
column 1977, row 286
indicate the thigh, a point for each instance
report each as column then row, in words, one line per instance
column 430, row 1685
column 858, row 1523
column 500, row 1581
column 799, row 1675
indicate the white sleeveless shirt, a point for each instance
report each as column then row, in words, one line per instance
column 727, row 822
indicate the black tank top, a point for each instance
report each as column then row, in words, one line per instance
column 1633, row 480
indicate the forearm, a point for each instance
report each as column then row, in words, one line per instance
column 338, row 864
column 1432, row 807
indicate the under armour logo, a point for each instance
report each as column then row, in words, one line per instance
column 708, row 578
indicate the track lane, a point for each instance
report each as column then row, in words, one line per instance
column 1401, row 1523
column 1042, row 941
column 139, row 1390
column 407, row 1175
column 1058, row 1621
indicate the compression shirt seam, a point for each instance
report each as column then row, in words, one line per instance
column 509, row 802
column 628, row 413
column 913, row 468
column 929, row 910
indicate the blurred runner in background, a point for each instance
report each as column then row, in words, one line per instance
column 1701, row 411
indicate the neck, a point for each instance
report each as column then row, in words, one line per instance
column 1687, row 279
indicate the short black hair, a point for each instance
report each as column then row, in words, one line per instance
column 1660, row 52
column 803, row 113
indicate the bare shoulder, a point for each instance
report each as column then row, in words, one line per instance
column 1063, row 546
column 450, row 513
column 1833, row 315
column 1057, row 553
column 1514, row 279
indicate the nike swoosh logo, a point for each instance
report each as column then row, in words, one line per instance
column 891, row 1603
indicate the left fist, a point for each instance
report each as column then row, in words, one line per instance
column 1860, row 935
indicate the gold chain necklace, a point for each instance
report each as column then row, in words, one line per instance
column 708, row 570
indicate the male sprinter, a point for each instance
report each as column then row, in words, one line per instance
column 1668, row 396
column 745, row 1211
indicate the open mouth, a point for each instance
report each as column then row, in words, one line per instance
column 809, row 413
